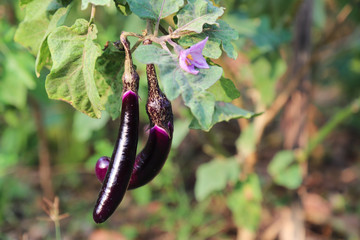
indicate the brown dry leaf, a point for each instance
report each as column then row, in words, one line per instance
column 317, row 209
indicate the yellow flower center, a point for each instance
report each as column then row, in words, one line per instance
column 188, row 58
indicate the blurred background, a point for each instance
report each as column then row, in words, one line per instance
column 290, row 173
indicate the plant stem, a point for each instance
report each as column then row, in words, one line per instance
column 57, row 230
column 149, row 27
column 45, row 176
column 158, row 20
column 92, row 15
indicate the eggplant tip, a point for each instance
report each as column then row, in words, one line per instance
column 98, row 218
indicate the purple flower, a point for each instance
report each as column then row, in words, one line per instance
column 192, row 57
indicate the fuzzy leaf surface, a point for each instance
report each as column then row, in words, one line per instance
column 110, row 66
column 43, row 57
column 196, row 13
column 32, row 29
column 224, row 90
column 223, row 112
column 71, row 78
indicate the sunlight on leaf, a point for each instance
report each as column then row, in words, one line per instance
column 85, row 3
column 71, row 78
column 32, row 29
column 151, row 9
column 196, row 13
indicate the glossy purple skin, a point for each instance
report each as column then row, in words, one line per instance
column 151, row 159
column 122, row 161
column 101, row 167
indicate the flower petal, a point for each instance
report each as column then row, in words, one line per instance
column 192, row 57
column 197, row 48
column 200, row 62
column 184, row 66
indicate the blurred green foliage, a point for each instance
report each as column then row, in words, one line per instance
column 203, row 191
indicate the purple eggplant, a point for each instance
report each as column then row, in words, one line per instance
column 147, row 163
column 151, row 159
column 122, row 160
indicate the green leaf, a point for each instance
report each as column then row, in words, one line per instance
column 268, row 39
column 212, row 46
column 176, row 81
column 223, row 112
column 224, row 90
column 16, row 75
column 227, row 111
column 43, row 56
column 285, row 170
column 202, row 107
column 32, row 29
column 265, row 75
column 123, row 7
column 247, row 141
column 151, row 9
column 84, row 126
column 85, row 3
column 214, row 176
column 245, row 203
column 24, row 2
column 218, row 34
column 71, row 79
column 110, row 66
column 259, row 30
column 182, row 130
column 17, row 96
column 196, row 13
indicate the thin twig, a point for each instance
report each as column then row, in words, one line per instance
column 43, row 153
column 52, row 210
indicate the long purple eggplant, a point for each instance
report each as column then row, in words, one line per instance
column 122, row 160
column 151, row 159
